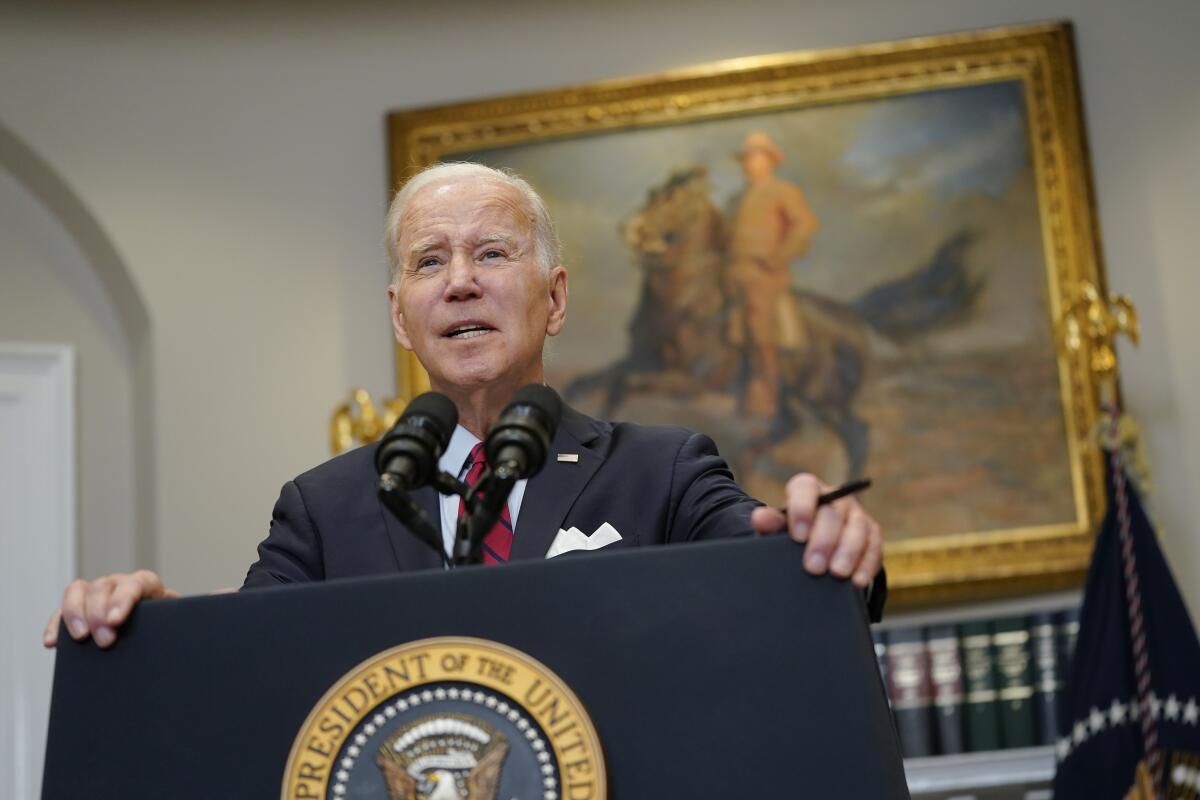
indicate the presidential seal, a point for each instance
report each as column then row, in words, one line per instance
column 450, row 718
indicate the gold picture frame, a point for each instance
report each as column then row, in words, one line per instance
column 1035, row 61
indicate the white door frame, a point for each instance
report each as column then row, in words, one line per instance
column 37, row 544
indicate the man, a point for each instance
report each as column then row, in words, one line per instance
column 772, row 226
column 476, row 288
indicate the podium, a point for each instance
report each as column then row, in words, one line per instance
column 711, row 670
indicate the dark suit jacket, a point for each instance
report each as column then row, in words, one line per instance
column 653, row 484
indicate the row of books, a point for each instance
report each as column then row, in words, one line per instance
column 978, row 685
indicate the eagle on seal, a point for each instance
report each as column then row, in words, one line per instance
column 446, row 758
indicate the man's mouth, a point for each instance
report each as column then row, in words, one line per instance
column 468, row 330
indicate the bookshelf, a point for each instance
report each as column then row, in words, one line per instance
column 1014, row 773
column 1018, row 774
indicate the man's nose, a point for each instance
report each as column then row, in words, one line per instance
column 461, row 275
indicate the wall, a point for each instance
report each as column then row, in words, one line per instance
column 235, row 157
column 50, row 293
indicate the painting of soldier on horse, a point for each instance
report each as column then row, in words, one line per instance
column 842, row 289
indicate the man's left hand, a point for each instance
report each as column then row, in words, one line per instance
column 841, row 536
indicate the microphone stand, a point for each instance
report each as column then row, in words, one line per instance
column 394, row 497
column 484, row 505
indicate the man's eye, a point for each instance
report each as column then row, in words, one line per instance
column 428, row 261
column 493, row 254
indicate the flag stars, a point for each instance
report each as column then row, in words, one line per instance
column 1096, row 720
column 1171, row 708
column 1117, row 712
column 1080, row 732
column 1155, row 706
column 1063, row 748
column 1191, row 712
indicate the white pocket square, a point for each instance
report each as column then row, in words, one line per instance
column 574, row 539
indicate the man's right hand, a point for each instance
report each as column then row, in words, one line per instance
column 97, row 608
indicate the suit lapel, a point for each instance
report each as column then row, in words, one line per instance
column 411, row 552
column 550, row 493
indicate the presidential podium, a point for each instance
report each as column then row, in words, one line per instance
column 716, row 670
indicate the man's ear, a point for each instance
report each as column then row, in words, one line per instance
column 558, row 301
column 398, row 319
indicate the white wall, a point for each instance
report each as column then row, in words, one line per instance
column 50, row 293
column 236, row 159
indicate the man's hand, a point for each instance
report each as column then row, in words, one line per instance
column 97, row 608
column 841, row 536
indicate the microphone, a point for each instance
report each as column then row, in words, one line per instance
column 408, row 455
column 516, row 448
column 520, row 440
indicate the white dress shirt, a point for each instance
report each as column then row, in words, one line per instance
column 454, row 461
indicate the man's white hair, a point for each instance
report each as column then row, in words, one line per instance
column 547, row 250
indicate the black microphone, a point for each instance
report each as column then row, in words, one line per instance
column 409, row 452
column 520, row 439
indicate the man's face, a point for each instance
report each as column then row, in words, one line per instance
column 472, row 301
column 758, row 165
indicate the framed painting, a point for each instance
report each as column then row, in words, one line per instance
column 847, row 262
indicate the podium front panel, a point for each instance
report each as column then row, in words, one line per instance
column 710, row 670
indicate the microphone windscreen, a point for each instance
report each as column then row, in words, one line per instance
column 437, row 408
column 543, row 398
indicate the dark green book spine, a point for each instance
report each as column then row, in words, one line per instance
column 945, row 666
column 1047, row 672
column 910, row 689
column 982, row 721
column 1014, row 677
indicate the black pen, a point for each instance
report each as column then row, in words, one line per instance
column 846, row 489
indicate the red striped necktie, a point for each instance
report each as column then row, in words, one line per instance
column 497, row 544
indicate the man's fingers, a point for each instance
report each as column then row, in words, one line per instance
column 151, row 585
column 98, row 600
column 50, row 635
column 802, row 493
column 129, row 589
column 873, row 558
column 766, row 520
column 851, row 545
column 826, row 530
column 74, row 609
column 98, row 607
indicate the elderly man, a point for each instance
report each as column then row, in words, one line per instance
column 476, row 288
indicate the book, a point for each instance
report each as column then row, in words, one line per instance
column 945, row 667
column 1048, row 671
column 1014, row 681
column 981, row 716
column 910, row 688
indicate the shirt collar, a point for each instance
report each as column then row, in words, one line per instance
column 455, row 457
